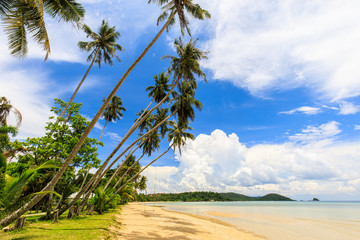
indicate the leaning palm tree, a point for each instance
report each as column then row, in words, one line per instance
column 5, row 109
column 178, row 6
column 22, row 17
column 102, row 48
column 161, row 87
column 181, row 6
column 186, row 64
column 184, row 100
column 182, row 70
column 177, row 137
column 114, row 111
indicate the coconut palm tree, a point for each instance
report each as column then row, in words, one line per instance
column 102, row 48
column 179, row 6
column 200, row 14
column 186, row 53
column 21, row 17
column 5, row 109
column 161, row 87
column 183, row 102
column 186, row 64
column 114, row 111
column 177, row 137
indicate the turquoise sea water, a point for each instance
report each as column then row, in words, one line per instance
column 282, row 220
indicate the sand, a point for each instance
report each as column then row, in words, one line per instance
column 150, row 222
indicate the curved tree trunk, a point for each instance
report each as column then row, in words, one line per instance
column 96, row 178
column 16, row 214
column 79, row 85
column 119, row 168
column 121, row 178
column 132, row 178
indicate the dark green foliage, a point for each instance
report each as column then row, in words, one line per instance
column 184, row 197
column 208, row 196
column 236, row 197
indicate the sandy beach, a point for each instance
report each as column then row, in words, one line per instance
column 150, row 222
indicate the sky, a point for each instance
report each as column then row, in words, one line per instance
column 281, row 109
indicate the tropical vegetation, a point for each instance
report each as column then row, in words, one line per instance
column 51, row 174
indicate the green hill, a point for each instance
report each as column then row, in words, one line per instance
column 236, row 197
column 274, row 197
column 268, row 197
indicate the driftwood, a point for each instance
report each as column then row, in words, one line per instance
column 20, row 223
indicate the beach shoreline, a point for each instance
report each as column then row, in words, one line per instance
column 139, row 221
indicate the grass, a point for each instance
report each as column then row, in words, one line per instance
column 83, row 227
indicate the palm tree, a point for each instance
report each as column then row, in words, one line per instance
column 178, row 6
column 186, row 65
column 161, row 87
column 186, row 53
column 27, row 16
column 114, row 111
column 183, row 103
column 200, row 14
column 5, row 109
column 102, row 48
column 177, row 138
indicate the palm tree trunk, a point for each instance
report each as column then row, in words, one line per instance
column 119, row 168
column 132, row 178
column 119, row 181
column 16, row 214
column 93, row 182
column 97, row 145
column 100, row 172
column 79, row 85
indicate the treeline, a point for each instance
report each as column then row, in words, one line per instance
column 207, row 196
column 184, row 197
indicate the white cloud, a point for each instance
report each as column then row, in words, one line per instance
column 311, row 134
column 347, row 108
column 27, row 90
column 357, row 127
column 219, row 162
column 279, row 45
column 305, row 110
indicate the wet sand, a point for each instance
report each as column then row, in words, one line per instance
column 150, row 222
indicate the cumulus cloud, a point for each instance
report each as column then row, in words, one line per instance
column 265, row 45
column 305, row 110
column 219, row 162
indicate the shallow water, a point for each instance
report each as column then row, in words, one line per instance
column 282, row 220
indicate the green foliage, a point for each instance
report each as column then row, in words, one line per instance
column 103, row 45
column 14, row 188
column 103, row 201
column 60, row 137
column 185, row 197
column 208, row 196
column 21, row 18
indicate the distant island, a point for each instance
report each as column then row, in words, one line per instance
column 207, row 197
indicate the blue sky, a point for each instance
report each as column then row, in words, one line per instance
column 280, row 110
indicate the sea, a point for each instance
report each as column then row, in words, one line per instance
column 293, row 220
